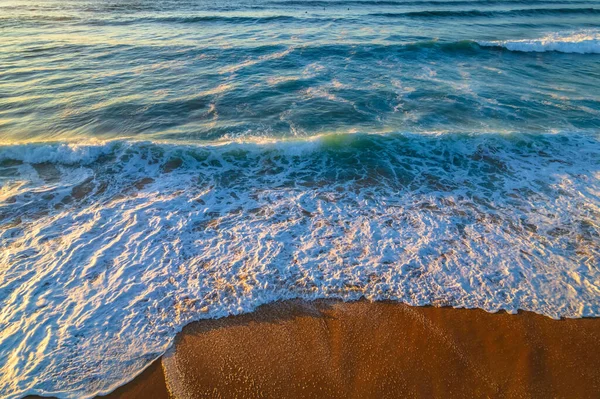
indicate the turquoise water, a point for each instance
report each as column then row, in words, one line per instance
column 199, row 70
column 168, row 161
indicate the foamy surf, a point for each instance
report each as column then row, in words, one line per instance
column 584, row 42
column 110, row 248
column 172, row 166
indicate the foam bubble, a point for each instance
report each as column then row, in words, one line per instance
column 60, row 153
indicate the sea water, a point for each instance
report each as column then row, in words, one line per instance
column 167, row 161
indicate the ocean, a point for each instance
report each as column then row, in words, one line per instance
column 165, row 161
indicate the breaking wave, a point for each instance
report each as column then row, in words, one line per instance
column 109, row 249
column 585, row 42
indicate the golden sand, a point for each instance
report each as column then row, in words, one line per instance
column 330, row 349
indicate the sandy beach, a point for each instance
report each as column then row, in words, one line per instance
column 377, row 350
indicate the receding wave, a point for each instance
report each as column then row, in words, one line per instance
column 108, row 249
column 585, row 42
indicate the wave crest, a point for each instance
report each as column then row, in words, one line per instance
column 585, row 42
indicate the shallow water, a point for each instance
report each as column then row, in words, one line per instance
column 166, row 161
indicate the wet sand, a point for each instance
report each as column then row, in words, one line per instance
column 330, row 349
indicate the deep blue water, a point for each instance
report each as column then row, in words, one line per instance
column 165, row 161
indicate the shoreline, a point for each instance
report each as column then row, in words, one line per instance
column 329, row 348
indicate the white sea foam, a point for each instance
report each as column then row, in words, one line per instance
column 60, row 153
column 582, row 42
column 105, row 257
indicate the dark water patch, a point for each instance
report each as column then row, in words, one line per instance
column 21, row 20
column 223, row 19
column 211, row 19
column 489, row 13
column 123, row 21
column 474, row 3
